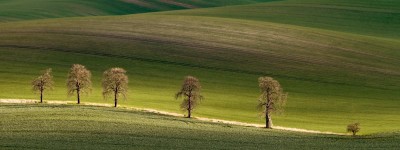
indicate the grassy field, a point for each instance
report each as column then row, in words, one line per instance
column 325, row 72
column 85, row 127
column 12, row 10
column 334, row 75
column 366, row 17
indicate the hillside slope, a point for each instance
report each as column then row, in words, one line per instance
column 329, row 75
column 366, row 17
column 85, row 127
column 38, row 9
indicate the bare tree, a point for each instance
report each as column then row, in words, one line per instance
column 272, row 98
column 42, row 83
column 353, row 128
column 79, row 80
column 115, row 82
column 191, row 92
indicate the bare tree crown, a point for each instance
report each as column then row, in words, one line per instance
column 272, row 95
column 115, row 81
column 79, row 78
column 43, row 82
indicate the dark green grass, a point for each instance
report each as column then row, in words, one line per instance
column 333, row 78
column 366, row 17
column 11, row 10
column 38, row 126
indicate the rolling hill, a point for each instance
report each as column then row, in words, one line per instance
column 12, row 10
column 366, row 17
column 334, row 75
column 77, row 127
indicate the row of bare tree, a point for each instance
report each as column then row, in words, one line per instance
column 115, row 83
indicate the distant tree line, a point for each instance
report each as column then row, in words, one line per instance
column 115, row 83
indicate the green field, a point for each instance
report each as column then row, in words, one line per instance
column 335, row 75
column 14, row 10
column 366, row 17
column 86, row 127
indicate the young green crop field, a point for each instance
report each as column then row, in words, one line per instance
column 366, row 17
column 13, row 10
column 41, row 126
column 334, row 75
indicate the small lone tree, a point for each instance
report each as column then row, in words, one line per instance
column 42, row 83
column 79, row 80
column 115, row 82
column 272, row 98
column 353, row 128
column 191, row 92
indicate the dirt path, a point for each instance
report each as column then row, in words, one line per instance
column 27, row 101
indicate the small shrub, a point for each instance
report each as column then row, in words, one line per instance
column 353, row 128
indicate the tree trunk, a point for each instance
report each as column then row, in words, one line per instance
column 41, row 96
column 189, row 113
column 268, row 120
column 189, row 108
column 77, row 93
column 115, row 97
